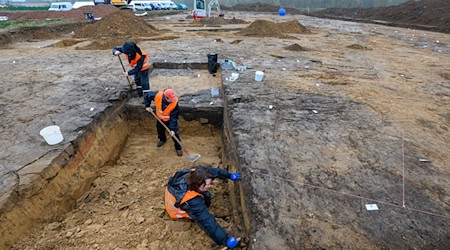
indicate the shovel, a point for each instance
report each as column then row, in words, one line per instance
column 132, row 86
column 187, row 155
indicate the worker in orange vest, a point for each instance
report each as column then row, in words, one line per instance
column 167, row 111
column 139, row 63
column 187, row 196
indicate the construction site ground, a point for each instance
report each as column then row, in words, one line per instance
column 347, row 115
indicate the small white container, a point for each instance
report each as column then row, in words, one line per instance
column 215, row 92
column 259, row 75
column 52, row 135
column 234, row 76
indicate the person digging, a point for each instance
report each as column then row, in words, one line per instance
column 187, row 196
column 139, row 63
column 167, row 111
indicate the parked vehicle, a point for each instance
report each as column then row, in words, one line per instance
column 169, row 5
column 61, row 6
column 181, row 6
column 77, row 5
column 155, row 6
column 140, row 6
column 117, row 3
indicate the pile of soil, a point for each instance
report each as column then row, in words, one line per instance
column 358, row 46
column 118, row 24
column 265, row 28
column 425, row 14
column 260, row 7
column 75, row 14
column 295, row 47
column 115, row 29
column 221, row 21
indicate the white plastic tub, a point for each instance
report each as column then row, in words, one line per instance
column 52, row 135
column 259, row 75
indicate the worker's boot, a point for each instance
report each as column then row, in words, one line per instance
column 179, row 152
column 160, row 143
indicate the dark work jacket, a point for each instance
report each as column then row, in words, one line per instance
column 139, row 63
column 174, row 114
column 197, row 208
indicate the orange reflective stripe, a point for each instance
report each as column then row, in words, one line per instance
column 189, row 195
column 169, row 203
column 174, row 212
column 146, row 63
column 163, row 115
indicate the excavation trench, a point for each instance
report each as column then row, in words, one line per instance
column 105, row 189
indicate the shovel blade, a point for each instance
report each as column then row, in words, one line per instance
column 191, row 158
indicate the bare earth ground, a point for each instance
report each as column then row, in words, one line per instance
column 125, row 209
column 345, row 123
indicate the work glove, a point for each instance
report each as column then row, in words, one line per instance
column 232, row 242
column 235, row 176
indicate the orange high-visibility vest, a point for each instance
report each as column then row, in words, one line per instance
column 169, row 203
column 133, row 63
column 163, row 115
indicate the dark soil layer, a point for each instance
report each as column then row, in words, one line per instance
column 426, row 14
column 75, row 14
column 265, row 28
column 295, row 47
column 299, row 192
column 260, row 7
column 44, row 32
column 221, row 21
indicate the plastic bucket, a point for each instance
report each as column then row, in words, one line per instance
column 234, row 76
column 212, row 63
column 52, row 135
column 259, row 76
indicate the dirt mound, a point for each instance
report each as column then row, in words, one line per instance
column 293, row 26
column 221, row 21
column 358, row 46
column 118, row 24
column 75, row 14
column 265, row 28
column 260, row 7
column 295, row 47
column 425, row 14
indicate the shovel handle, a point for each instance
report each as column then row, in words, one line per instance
column 123, row 67
column 164, row 125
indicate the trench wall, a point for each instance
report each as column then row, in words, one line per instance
column 231, row 159
column 50, row 186
column 69, row 173
column 25, row 33
column 64, row 177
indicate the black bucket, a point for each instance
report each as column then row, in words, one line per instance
column 212, row 63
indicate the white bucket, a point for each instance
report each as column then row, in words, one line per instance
column 52, row 135
column 234, row 76
column 259, row 76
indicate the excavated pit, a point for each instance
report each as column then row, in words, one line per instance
column 109, row 182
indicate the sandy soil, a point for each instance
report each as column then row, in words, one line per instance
column 359, row 103
column 124, row 208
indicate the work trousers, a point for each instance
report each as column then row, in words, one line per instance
column 142, row 82
column 162, row 134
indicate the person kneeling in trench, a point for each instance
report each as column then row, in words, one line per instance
column 187, row 196
column 167, row 111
